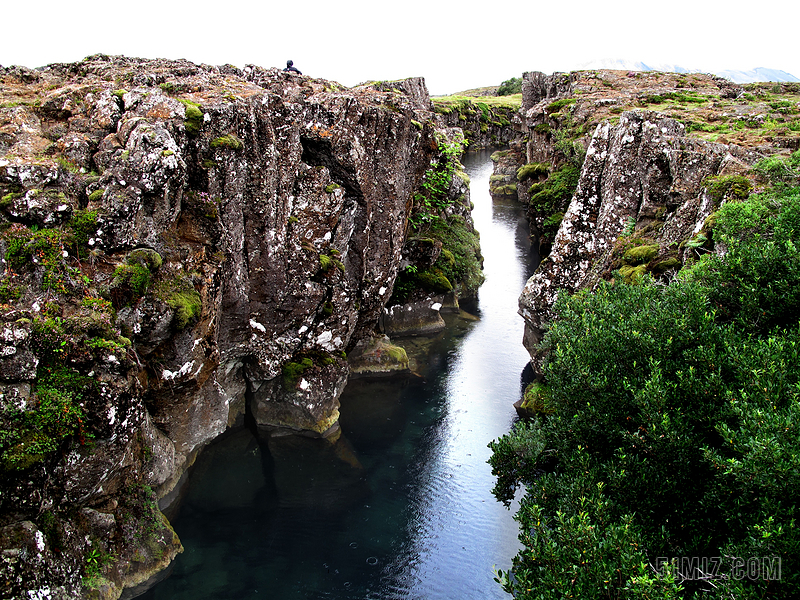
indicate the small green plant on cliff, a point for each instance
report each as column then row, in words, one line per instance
column 133, row 278
column 294, row 369
column 433, row 195
column 82, row 226
column 38, row 248
column 330, row 260
column 96, row 560
column 205, row 203
column 55, row 414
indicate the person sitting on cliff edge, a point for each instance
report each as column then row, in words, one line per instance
column 291, row 68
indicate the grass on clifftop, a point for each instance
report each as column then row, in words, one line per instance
column 514, row 101
column 752, row 115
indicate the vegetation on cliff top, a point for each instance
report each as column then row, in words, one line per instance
column 753, row 115
column 672, row 426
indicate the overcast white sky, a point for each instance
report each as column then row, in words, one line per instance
column 455, row 46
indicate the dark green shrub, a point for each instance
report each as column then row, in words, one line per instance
column 510, row 86
column 674, row 431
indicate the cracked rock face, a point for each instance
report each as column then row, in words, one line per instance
column 642, row 168
column 269, row 212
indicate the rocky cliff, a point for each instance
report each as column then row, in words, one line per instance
column 622, row 170
column 487, row 121
column 183, row 245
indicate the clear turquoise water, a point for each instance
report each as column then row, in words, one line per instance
column 400, row 506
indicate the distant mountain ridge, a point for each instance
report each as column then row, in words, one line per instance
column 751, row 76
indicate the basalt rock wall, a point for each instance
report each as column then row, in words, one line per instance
column 643, row 177
column 191, row 243
column 642, row 173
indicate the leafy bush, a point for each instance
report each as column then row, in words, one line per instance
column 675, row 427
column 510, row 86
column 779, row 170
column 433, row 194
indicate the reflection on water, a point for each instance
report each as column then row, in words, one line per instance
column 398, row 506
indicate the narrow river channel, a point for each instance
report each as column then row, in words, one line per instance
column 401, row 505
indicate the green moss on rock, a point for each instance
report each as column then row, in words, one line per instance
column 631, row 274
column 183, row 298
column 434, row 280
column 227, row 141
column 640, row 254
column 532, row 170
column 537, row 400
column 193, row 119
column 668, row 263
column 292, row 371
column 730, row 187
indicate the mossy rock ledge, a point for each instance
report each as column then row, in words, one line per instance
column 377, row 356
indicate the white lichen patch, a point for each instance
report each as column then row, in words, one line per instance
column 170, row 375
column 256, row 325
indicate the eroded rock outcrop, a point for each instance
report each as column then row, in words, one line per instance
column 486, row 123
column 642, row 172
column 617, row 190
column 183, row 243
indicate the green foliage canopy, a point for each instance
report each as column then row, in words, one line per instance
column 675, row 430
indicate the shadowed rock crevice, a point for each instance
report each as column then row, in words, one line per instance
column 319, row 153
